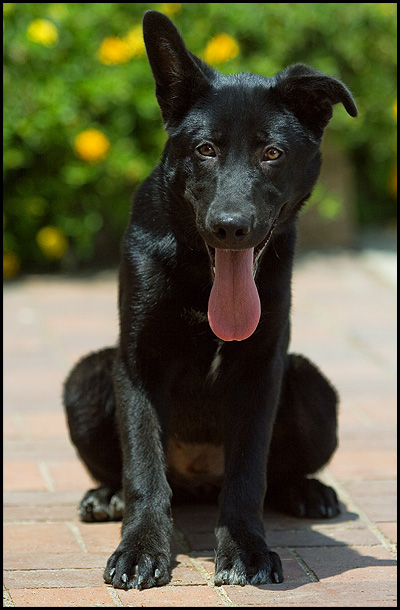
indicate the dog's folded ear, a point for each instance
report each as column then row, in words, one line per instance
column 181, row 77
column 310, row 95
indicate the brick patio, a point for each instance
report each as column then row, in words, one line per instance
column 343, row 317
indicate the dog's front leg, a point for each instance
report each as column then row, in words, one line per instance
column 142, row 559
column 243, row 556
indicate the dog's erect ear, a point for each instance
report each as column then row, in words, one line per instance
column 310, row 95
column 180, row 76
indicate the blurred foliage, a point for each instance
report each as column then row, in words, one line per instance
column 82, row 127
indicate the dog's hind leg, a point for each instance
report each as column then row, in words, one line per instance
column 90, row 407
column 303, row 441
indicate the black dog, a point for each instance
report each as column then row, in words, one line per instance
column 200, row 391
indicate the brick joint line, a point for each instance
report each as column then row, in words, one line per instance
column 220, row 591
column 310, row 573
column 48, row 479
column 7, row 600
column 373, row 528
column 114, row 596
column 73, row 528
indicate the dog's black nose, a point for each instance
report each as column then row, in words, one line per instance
column 230, row 230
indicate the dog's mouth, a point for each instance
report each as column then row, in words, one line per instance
column 234, row 307
column 258, row 251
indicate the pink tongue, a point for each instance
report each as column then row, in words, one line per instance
column 234, row 306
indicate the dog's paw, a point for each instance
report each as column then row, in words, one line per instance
column 101, row 504
column 306, row 498
column 116, row 506
column 244, row 568
column 126, row 570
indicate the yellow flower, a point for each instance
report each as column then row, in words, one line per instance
column 114, row 50
column 52, row 242
column 91, row 145
column 171, row 8
column 135, row 43
column 11, row 265
column 43, row 32
column 221, row 48
column 395, row 109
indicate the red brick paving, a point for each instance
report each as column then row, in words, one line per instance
column 343, row 317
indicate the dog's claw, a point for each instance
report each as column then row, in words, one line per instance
column 330, row 512
column 222, row 578
column 241, row 570
column 126, row 570
column 139, row 582
column 301, row 509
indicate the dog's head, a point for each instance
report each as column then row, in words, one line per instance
column 243, row 150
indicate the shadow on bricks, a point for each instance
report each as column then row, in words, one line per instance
column 311, row 550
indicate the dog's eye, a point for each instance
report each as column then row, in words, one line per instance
column 206, row 150
column 271, row 154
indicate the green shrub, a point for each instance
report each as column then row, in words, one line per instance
column 82, row 127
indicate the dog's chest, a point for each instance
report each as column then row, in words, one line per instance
column 198, row 406
column 215, row 365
